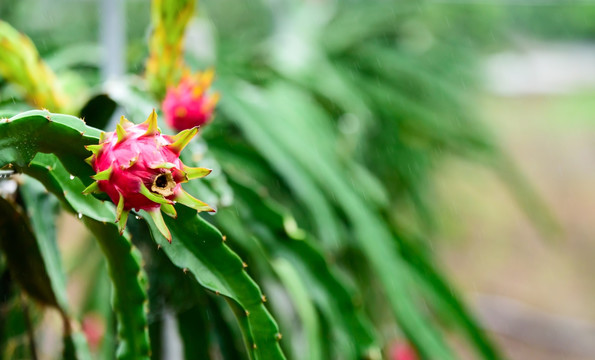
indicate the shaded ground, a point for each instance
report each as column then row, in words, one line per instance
column 494, row 254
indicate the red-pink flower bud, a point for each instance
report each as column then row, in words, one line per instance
column 190, row 103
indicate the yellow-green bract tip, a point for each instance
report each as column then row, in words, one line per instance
column 182, row 139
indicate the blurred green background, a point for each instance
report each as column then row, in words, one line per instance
column 521, row 74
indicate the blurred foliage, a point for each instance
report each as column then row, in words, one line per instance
column 334, row 115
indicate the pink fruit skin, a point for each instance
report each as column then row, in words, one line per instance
column 148, row 150
column 402, row 351
column 189, row 105
column 94, row 329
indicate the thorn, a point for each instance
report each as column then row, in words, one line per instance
column 263, row 298
column 185, row 270
column 217, row 292
column 224, row 237
column 158, row 246
column 247, row 313
column 254, row 346
column 48, row 118
column 278, row 336
column 244, row 265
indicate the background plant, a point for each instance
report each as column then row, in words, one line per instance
column 331, row 121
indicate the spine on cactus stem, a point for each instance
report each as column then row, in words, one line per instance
column 21, row 65
column 139, row 168
column 166, row 64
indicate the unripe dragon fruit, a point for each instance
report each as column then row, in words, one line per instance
column 189, row 104
column 139, row 168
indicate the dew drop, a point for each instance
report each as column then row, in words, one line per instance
column 71, row 177
column 80, row 216
column 138, row 217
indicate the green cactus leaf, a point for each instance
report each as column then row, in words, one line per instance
column 34, row 261
column 282, row 143
column 24, row 257
column 297, row 289
column 75, row 347
column 191, row 322
column 332, row 295
column 42, row 209
column 22, row 140
column 26, row 134
column 129, row 300
column 198, row 247
column 130, row 297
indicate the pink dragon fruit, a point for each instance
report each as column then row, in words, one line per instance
column 189, row 104
column 139, row 168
